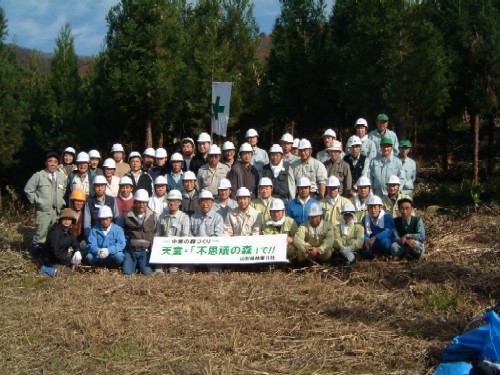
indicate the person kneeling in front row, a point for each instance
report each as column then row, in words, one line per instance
column 378, row 229
column 408, row 235
column 106, row 241
column 348, row 234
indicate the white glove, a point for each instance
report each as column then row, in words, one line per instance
column 103, row 253
column 347, row 253
column 77, row 259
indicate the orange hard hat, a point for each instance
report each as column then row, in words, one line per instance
column 78, row 195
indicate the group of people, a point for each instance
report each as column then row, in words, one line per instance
column 335, row 207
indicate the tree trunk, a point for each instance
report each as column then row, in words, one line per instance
column 476, row 149
column 415, row 140
column 149, row 133
column 444, row 143
column 160, row 139
column 491, row 146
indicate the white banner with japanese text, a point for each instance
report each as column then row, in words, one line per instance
column 219, row 250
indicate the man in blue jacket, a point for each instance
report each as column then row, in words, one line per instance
column 378, row 229
column 298, row 208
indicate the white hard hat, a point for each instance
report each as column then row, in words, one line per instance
column 246, row 147
column 69, row 150
column 94, row 154
column 224, row 183
column 82, row 157
column 315, row 210
column 228, row 145
column 363, row 181
column 374, row 200
column 189, row 175
column 134, row 154
column 354, row 140
column 265, row 181
column 303, row 181
column 330, row 133
column 335, row 146
column 348, row 207
column 251, row 133
column 161, row 180
column 361, row 121
column 287, row 137
column 304, row 144
column 243, row 192
column 160, row 153
column 296, row 142
column 332, row 181
column 176, row 157
column 126, row 180
column 174, row 194
column 205, row 194
column 109, row 163
column 276, row 149
column 117, row 147
column 204, row 137
column 149, row 152
column 393, row 179
column 104, row 212
column 277, row 205
column 100, row 180
column 187, row 139
column 214, row 150
column 141, row 195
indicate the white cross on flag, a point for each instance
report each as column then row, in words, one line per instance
column 221, row 97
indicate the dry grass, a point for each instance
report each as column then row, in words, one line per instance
column 381, row 318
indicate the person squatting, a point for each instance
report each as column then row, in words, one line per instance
column 336, row 207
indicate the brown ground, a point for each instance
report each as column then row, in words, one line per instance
column 382, row 318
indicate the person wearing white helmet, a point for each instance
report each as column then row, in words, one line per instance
column 67, row 163
column 297, row 208
column 212, row 172
column 81, row 178
column 279, row 223
column 408, row 235
column 158, row 201
column 160, row 166
column 359, row 164
column 243, row 173
column 368, row 147
column 337, row 167
column 139, row 226
column 393, row 196
column 118, row 155
column 223, row 201
column 203, row 144
column 363, row 192
column 383, row 166
column 286, row 143
column 190, row 194
column 172, row 223
column 46, row 189
column 243, row 220
column 95, row 159
column 382, row 131
column 311, row 168
column 328, row 137
column 314, row 238
column 106, row 240
column 140, row 179
column 260, row 157
column 228, row 153
column 377, row 226
column 263, row 202
column 148, row 159
column 278, row 171
column 348, row 234
column 94, row 202
column 188, row 151
column 333, row 202
column 125, row 199
column 113, row 182
column 174, row 176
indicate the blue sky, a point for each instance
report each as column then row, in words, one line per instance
column 36, row 23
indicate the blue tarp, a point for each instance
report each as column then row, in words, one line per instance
column 455, row 368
